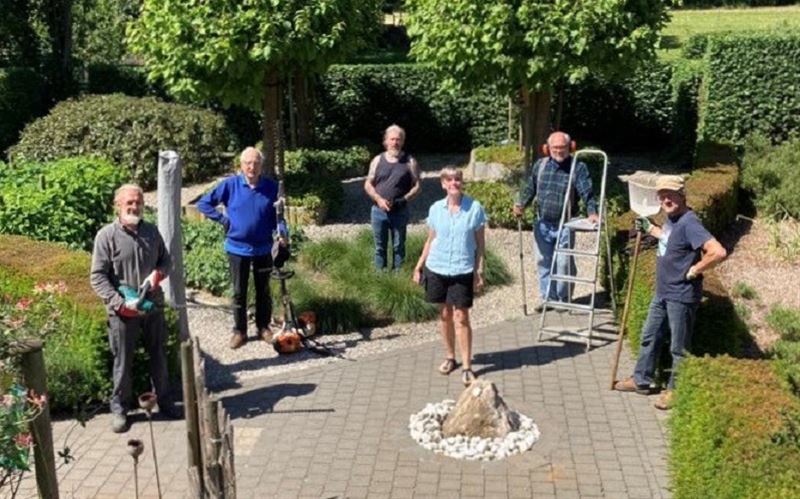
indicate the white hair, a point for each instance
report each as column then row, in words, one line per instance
column 566, row 137
column 127, row 187
column 252, row 149
column 394, row 128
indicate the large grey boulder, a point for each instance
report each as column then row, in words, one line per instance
column 480, row 412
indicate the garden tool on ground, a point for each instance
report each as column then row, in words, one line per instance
column 296, row 331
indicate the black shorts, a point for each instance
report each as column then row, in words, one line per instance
column 456, row 290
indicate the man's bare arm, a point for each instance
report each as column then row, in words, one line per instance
column 415, row 171
column 369, row 187
column 713, row 253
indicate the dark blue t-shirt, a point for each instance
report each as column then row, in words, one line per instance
column 679, row 248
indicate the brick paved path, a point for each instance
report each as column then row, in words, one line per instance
column 341, row 431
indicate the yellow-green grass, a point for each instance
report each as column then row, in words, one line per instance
column 685, row 23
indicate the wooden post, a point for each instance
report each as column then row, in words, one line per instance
column 213, row 467
column 169, row 224
column 35, row 378
column 190, row 411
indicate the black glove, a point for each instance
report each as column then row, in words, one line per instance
column 399, row 203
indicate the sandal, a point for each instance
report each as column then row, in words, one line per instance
column 467, row 376
column 448, row 366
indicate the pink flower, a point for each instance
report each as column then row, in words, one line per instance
column 8, row 400
column 23, row 440
column 24, row 303
column 58, row 288
column 37, row 400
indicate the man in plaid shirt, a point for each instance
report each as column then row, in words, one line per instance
column 547, row 182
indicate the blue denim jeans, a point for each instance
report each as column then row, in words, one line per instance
column 383, row 224
column 664, row 317
column 544, row 236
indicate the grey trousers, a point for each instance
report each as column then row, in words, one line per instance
column 123, row 335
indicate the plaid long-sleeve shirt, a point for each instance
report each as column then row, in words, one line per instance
column 551, row 186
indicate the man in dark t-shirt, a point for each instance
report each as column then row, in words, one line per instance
column 685, row 250
column 393, row 180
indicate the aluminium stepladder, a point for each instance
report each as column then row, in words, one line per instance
column 591, row 255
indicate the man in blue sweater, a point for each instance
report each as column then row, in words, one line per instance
column 249, row 221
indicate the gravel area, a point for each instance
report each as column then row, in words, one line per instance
column 228, row 368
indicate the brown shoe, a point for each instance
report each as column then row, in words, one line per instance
column 665, row 401
column 265, row 334
column 237, row 340
column 629, row 385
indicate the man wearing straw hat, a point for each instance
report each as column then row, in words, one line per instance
column 685, row 250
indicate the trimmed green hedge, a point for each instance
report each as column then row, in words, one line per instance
column 337, row 163
column 22, row 93
column 735, row 432
column 64, row 201
column 77, row 355
column 751, row 85
column 654, row 107
column 703, row 4
column 355, row 104
column 129, row 131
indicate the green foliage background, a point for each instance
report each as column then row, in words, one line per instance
column 129, row 131
column 64, row 201
column 772, row 175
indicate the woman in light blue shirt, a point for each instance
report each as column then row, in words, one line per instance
column 450, row 267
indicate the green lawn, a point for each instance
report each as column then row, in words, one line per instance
column 686, row 23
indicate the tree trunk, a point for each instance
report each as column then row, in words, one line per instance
column 270, row 114
column 304, row 102
column 58, row 15
column 535, row 122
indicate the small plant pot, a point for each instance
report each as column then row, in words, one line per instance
column 147, row 401
column 135, row 448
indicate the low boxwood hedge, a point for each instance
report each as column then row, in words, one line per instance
column 77, row 354
column 64, row 201
column 734, row 431
column 129, row 131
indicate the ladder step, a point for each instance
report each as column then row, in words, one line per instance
column 567, row 306
column 574, row 252
column 571, row 278
column 580, row 331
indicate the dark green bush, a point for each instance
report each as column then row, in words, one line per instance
column 105, row 78
column 338, row 163
column 734, row 431
column 309, row 190
column 22, row 93
column 771, row 173
column 785, row 321
column 497, row 200
column 751, row 86
column 355, row 104
column 787, row 357
column 64, row 201
column 205, row 264
column 129, row 131
column 77, row 355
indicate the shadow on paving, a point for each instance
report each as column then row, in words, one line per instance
column 534, row 355
column 262, row 400
column 224, row 375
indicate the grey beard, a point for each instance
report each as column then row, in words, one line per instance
column 130, row 219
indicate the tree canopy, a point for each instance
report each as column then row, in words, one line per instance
column 226, row 49
column 533, row 43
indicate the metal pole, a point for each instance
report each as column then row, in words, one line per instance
column 625, row 309
column 34, row 377
column 169, row 224
column 522, row 270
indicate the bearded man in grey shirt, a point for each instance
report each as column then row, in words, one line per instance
column 131, row 252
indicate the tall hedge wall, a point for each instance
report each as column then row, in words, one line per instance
column 355, row 103
column 752, row 84
column 21, row 99
column 704, row 4
column 654, row 107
